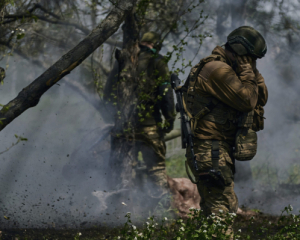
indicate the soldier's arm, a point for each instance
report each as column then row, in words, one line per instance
column 167, row 106
column 240, row 92
column 166, row 102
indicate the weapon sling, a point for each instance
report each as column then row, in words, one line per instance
column 186, row 131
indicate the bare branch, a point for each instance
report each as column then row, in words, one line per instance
column 29, row 96
column 57, row 20
column 20, row 53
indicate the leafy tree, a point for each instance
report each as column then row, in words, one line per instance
column 44, row 23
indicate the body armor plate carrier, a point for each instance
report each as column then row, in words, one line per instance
column 209, row 109
column 213, row 110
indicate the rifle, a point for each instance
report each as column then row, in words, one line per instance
column 212, row 177
column 186, row 133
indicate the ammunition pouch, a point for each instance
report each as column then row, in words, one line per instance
column 245, row 138
column 245, row 144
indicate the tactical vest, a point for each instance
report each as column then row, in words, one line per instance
column 213, row 110
column 209, row 109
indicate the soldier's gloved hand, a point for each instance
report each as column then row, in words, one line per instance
column 244, row 64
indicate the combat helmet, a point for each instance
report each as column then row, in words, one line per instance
column 154, row 38
column 246, row 40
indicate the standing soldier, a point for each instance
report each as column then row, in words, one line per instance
column 155, row 99
column 224, row 97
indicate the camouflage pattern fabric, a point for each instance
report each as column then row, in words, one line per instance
column 155, row 83
column 240, row 88
column 241, row 92
column 149, row 141
column 155, row 115
column 214, row 198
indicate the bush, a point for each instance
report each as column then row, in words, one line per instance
column 197, row 226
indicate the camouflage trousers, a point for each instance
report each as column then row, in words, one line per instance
column 214, row 198
column 151, row 178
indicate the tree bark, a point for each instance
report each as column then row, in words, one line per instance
column 123, row 137
column 30, row 96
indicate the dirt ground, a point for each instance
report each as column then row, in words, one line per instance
column 244, row 222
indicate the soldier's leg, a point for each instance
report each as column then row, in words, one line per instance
column 218, row 201
column 215, row 198
column 138, row 195
column 153, row 152
column 154, row 157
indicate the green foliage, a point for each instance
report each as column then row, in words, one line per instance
column 175, row 165
column 77, row 237
column 20, row 35
column 35, row 18
column 4, row 109
column 19, row 139
column 197, row 226
column 160, row 15
column 7, row 2
column 179, row 48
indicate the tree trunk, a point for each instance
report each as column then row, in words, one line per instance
column 30, row 96
column 123, row 137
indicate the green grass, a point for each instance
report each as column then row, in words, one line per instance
column 175, row 165
column 259, row 226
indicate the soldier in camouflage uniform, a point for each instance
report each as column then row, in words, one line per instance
column 156, row 99
column 228, row 84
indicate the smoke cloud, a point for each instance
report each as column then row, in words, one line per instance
column 59, row 177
